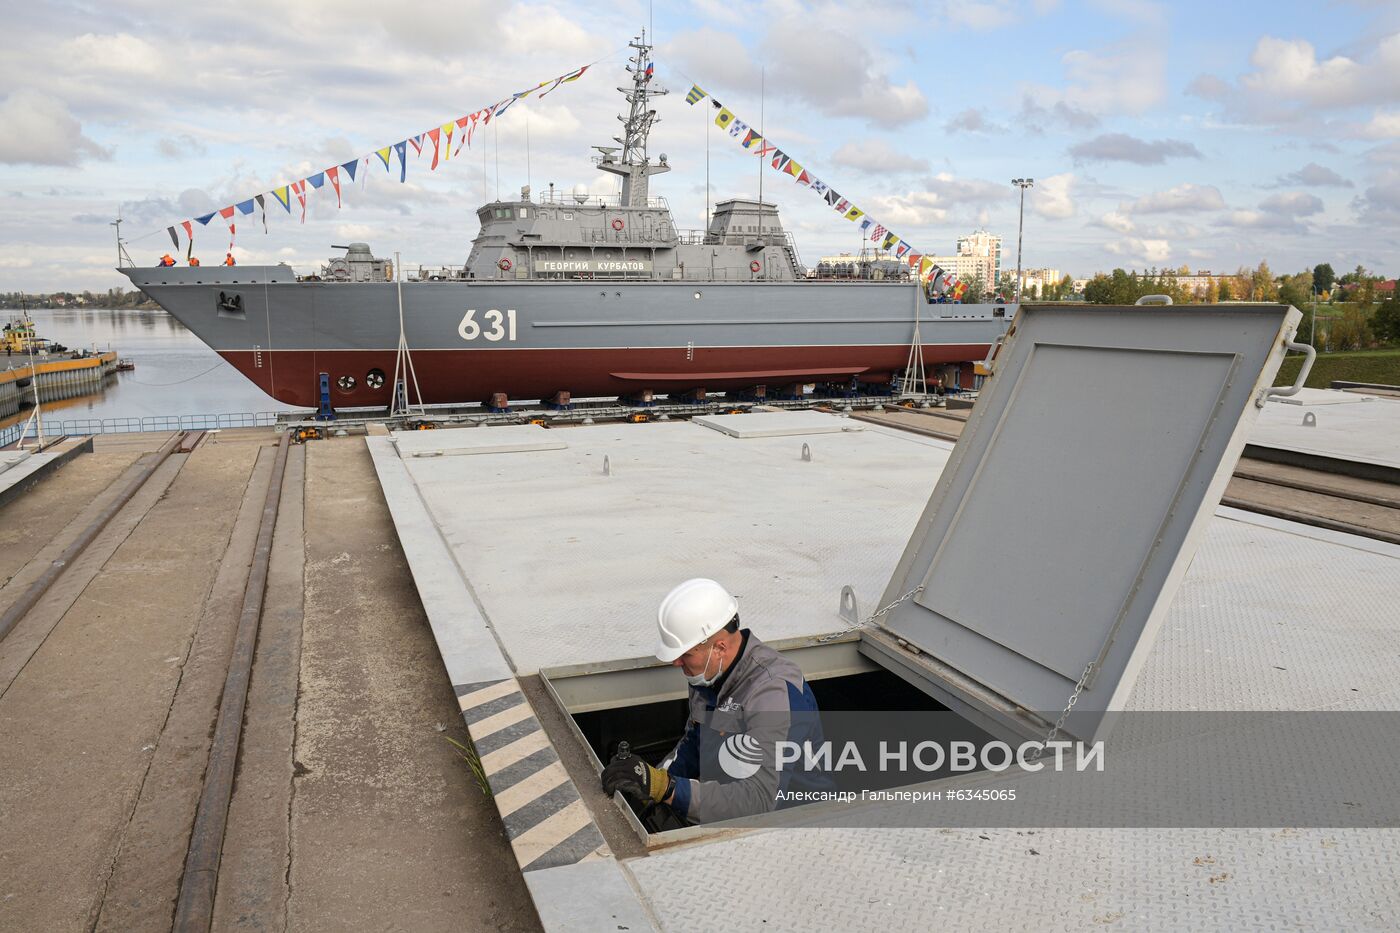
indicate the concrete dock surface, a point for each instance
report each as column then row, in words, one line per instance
column 350, row 808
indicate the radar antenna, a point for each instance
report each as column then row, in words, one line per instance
column 123, row 259
column 634, row 166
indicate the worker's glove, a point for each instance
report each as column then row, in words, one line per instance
column 635, row 778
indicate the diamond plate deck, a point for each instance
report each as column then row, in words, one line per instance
column 568, row 565
column 1052, row 880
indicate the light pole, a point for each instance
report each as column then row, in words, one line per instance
column 1023, row 184
column 1312, row 338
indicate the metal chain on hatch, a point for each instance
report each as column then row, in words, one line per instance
column 1064, row 715
column 873, row 616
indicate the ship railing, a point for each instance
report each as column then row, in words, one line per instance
column 437, row 274
column 565, row 199
column 74, row 427
column 663, row 236
column 796, row 256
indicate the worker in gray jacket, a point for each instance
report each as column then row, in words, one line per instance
column 745, row 699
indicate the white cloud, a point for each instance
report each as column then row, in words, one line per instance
column 1182, row 198
column 1292, row 204
column 1120, row 147
column 835, row 72
column 1171, row 231
column 944, row 196
column 38, row 130
column 719, row 60
column 1051, row 197
column 121, row 53
column 1289, row 84
column 1038, row 118
column 1128, row 77
column 1245, row 218
column 1388, row 154
column 877, row 156
column 1290, row 69
column 1380, row 203
column 1117, row 221
column 1139, row 250
column 180, row 147
column 1382, row 125
column 813, row 60
column 1312, row 175
column 972, row 120
column 917, row 209
column 1279, row 212
column 953, row 190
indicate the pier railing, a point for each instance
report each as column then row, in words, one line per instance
column 55, row 427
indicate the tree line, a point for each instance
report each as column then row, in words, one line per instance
column 114, row 298
column 1348, row 312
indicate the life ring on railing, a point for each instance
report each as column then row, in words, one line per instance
column 617, row 224
column 754, row 266
column 503, row 264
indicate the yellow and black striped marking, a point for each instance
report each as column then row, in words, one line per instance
column 547, row 823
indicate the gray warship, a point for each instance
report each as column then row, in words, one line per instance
column 570, row 296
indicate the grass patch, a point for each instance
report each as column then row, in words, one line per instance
column 468, row 754
column 1381, row 367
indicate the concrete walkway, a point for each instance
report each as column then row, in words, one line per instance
column 351, row 809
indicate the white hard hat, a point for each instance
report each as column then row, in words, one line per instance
column 691, row 613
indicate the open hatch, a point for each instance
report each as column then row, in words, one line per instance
column 1052, row 545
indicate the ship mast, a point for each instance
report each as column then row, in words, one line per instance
column 634, row 166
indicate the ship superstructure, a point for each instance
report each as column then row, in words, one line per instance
column 577, row 295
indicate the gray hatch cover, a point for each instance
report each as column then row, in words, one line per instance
column 1073, row 503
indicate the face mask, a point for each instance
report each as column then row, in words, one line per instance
column 700, row 680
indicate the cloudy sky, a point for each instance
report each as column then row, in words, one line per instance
column 1207, row 134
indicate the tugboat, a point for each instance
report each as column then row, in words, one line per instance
column 576, row 295
column 19, row 338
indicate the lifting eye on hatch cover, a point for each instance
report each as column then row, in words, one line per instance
column 374, row 379
column 233, row 304
column 346, row 383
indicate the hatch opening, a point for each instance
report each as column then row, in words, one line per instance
column 645, row 704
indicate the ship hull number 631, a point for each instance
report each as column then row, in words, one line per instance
column 494, row 325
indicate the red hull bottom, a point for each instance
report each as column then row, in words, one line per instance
column 448, row 376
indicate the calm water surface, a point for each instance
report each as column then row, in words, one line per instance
column 175, row 374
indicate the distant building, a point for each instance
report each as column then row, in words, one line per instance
column 978, row 254
column 1036, row 281
column 1201, row 283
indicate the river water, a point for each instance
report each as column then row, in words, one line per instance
column 175, row 374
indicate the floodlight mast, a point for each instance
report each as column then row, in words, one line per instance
column 1023, row 184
